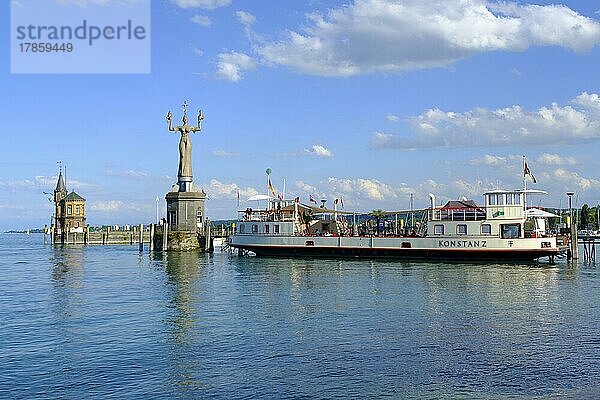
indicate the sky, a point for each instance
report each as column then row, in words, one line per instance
column 364, row 100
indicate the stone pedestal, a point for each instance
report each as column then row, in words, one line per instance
column 185, row 211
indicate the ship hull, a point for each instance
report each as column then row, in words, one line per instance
column 475, row 249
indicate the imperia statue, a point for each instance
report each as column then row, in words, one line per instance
column 185, row 143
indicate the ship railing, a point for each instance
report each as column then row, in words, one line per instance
column 457, row 214
column 265, row 216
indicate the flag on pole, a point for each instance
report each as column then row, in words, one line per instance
column 271, row 188
column 312, row 200
column 527, row 171
column 238, row 199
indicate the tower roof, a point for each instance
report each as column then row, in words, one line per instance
column 74, row 197
column 60, row 185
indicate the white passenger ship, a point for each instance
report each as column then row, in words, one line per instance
column 503, row 229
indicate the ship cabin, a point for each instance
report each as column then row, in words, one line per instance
column 290, row 217
column 275, row 219
column 503, row 216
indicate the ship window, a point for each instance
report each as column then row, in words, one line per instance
column 254, row 228
column 486, row 229
column 510, row 198
column 510, row 231
column 275, row 228
column 461, row 229
column 500, row 199
column 492, row 199
column 242, row 228
column 438, row 229
column 266, row 228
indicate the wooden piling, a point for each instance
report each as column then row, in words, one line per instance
column 165, row 238
column 574, row 248
column 151, row 248
column 141, row 238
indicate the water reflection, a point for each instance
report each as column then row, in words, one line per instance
column 183, row 270
column 67, row 275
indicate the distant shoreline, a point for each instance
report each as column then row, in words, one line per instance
column 37, row 230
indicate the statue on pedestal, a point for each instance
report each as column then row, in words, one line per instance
column 185, row 143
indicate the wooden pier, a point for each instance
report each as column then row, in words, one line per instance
column 153, row 236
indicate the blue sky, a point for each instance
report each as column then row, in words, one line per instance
column 368, row 100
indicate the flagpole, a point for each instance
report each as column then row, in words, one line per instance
column 525, row 188
column 283, row 197
column 268, row 171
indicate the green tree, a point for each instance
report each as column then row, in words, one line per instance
column 584, row 217
column 378, row 215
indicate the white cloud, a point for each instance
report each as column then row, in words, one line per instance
column 390, row 36
column 318, row 150
column 201, row 20
column 588, row 101
column 306, row 188
column 489, row 160
column 221, row 190
column 223, row 153
column 553, row 124
column 245, row 18
column 232, row 65
column 119, row 205
column 393, row 118
column 42, row 183
column 555, row 159
column 371, row 189
column 198, row 51
column 516, row 72
column 205, row 4
column 573, row 178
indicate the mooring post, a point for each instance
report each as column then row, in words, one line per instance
column 141, row 240
column 574, row 248
column 151, row 244
column 208, row 244
column 165, row 238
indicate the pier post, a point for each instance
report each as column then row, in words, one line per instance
column 151, row 245
column 574, row 248
column 141, row 239
column 165, row 240
column 208, row 246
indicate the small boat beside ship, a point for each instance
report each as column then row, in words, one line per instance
column 502, row 229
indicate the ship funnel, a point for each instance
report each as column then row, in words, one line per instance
column 432, row 213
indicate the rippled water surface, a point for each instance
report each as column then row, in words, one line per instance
column 109, row 322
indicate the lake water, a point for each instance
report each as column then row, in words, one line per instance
column 109, row 322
